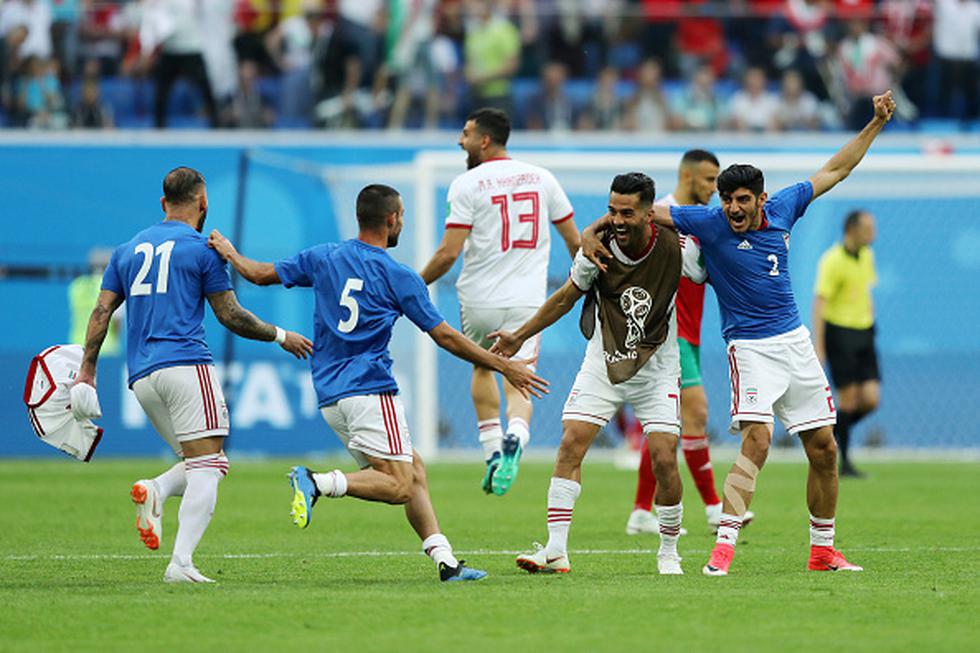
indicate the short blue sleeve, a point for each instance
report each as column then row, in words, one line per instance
column 788, row 205
column 413, row 299
column 693, row 220
column 111, row 280
column 296, row 270
column 214, row 272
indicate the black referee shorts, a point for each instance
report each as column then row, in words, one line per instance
column 851, row 354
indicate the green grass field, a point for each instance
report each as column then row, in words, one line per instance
column 74, row 576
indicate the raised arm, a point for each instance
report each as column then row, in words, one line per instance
column 517, row 372
column 551, row 311
column 261, row 274
column 239, row 320
column 840, row 165
column 446, row 254
column 98, row 326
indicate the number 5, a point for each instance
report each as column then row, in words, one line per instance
column 348, row 302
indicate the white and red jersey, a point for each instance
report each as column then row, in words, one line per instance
column 690, row 295
column 507, row 205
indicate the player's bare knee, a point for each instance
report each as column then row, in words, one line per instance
column 821, row 449
column 755, row 445
column 663, row 454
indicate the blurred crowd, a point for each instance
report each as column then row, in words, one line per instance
column 557, row 65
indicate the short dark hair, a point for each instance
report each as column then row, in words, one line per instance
column 635, row 183
column 181, row 184
column 697, row 156
column 374, row 204
column 852, row 219
column 492, row 122
column 741, row 175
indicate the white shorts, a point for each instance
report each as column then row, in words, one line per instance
column 654, row 392
column 371, row 425
column 183, row 403
column 779, row 376
column 478, row 322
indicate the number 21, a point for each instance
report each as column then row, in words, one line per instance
column 772, row 258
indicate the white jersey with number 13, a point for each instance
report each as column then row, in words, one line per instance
column 507, row 205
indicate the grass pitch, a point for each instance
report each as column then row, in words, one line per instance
column 74, row 576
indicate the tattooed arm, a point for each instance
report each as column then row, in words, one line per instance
column 239, row 320
column 98, row 326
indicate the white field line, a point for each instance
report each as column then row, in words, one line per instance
column 475, row 552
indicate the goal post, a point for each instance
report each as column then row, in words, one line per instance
column 907, row 191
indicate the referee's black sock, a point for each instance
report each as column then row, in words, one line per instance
column 842, row 433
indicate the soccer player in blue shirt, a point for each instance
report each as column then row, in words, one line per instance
column 360, row 291
column 164, row 273
column 773, row 366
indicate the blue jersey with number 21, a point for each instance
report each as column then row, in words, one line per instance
column 750, row 271
column 164, row 273
column 359, row 293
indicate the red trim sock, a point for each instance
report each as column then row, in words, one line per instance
column 646, row 482
column 698, row 458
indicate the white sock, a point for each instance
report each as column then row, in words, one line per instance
column 331, row 484
column 821, row 531
column 438, row 548
column 203, row 474
column 561, row 501
column 172, row 482
column 490, row 436
column 517, row 427
column 670, row 527
column 728, row 529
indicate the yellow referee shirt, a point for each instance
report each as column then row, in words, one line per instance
column 844, row 282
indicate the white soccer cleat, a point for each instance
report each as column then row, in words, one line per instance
column 644, row 521
column 149, row 513
column 538, row 562
column 176, row 573
column 669, row 564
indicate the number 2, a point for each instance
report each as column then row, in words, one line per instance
column 348, row 302
column 163, row 250
column 772, row 258
column 531, row 217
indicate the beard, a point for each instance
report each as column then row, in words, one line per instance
column 471, row 161
column 200, row 223
column 393, row 239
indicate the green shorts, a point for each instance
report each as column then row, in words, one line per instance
column 690, row 364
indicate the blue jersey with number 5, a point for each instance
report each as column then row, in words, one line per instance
column 164, row 273
column 750, row 271
column 359, row 292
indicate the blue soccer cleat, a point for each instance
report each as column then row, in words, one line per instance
column 304, row 495
column 449, row 574
column 492, row 465
column 506, row 472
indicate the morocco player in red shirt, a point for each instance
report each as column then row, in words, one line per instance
column 696, row 183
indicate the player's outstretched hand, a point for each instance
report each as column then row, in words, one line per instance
column 220, row 244
column 594, row 250
column 522, row 378
column 505, row 344
column 884, row 106
column 298, row 345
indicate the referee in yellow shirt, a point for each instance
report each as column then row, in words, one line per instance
column 844, row 326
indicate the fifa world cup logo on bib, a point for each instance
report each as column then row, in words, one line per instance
column 636, row 303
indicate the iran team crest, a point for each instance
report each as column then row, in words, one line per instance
column 751, row 396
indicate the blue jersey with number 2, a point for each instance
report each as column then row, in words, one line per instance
column 164, row 273
column 359, row 293
column 750, row 271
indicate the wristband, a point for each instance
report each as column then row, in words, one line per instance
column 280, row 335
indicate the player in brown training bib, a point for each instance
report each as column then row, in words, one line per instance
column 632, row 357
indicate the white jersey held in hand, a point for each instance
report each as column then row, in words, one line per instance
column 508, row 207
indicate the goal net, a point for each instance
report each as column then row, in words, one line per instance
column 927, row 251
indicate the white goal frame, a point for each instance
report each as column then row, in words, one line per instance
column 431, row 168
